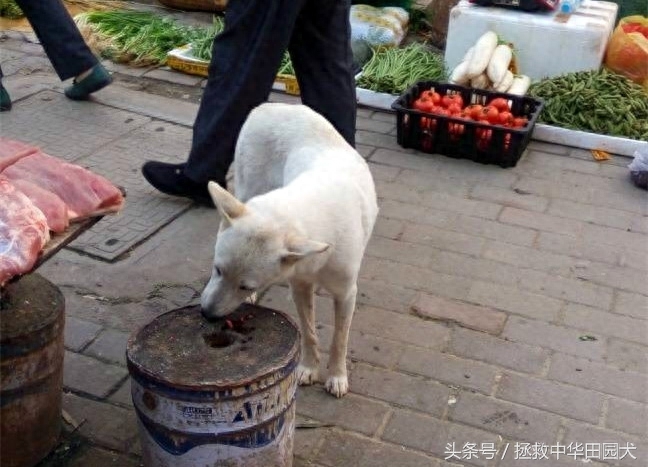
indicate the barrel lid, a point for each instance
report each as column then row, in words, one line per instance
column 183, row 350
column 30, row 305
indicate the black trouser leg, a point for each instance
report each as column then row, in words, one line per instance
column 59, row 36
column 245, row 60
column 321, row 54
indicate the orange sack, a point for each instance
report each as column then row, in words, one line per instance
column 627, row 51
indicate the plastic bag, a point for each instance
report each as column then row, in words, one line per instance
column 639, row 168
column 378, row 26
column 627, row 51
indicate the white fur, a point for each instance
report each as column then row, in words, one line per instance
column 305, row 211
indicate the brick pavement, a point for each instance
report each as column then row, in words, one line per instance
column 495, row 306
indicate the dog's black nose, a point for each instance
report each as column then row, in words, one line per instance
column 206, row 314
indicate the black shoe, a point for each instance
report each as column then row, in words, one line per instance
column 170, row 179
column 5, row 100
column 97, row 79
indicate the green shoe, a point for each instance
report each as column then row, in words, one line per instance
column 97, row 79
column 5, row 100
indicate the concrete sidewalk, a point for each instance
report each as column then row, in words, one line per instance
column 498, row 308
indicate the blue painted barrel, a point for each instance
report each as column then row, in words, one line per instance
column 215, row 393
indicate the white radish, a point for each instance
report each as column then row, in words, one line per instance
column 480, row 82
column 520, row 85
column 484, row 48
column 499, row 63
column 458, row 75
column 506, row 82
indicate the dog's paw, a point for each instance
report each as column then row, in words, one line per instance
column 337, row 385
column 306, row 375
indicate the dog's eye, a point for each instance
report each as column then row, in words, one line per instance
column 246, row 288
column 217, row 271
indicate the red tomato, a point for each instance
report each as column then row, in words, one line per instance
column 500, row 104
column 520, row 122
column 474, row 111
column 492, row 114
column 446, row 101
column 457, row 99
column 505, row 118
column 436, row 98
column 427, row 94
column 454, row 108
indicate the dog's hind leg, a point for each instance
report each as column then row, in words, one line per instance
column 308, row 369
column 337, row 382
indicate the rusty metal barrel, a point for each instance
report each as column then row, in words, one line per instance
column 32, row 319
column 215, row 393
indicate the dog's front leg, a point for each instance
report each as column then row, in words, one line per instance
column 337, row 382
column 308, row 369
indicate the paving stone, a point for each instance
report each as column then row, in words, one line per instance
column 602, row 322
column 562, row 399
column 109, row 346
column 466, row 266
column 558, row 338
column 448, row 369
column 343, row 448
column 414, row 213
column 624, row 278
column 434, row 436
column 90, row 376
column 573, row 246
column 385, row 295
column 376, row 139
column 397, row 192
column 598, row 377
column 581, row 433
column 627, row 416
column 384, row 172
column 384, row 116
column 533, row 258
column 401, row 251
column 627, row 356
column 400, row 327
column 364, row 150
column 593, row 214
column 121, row 69
column 123, row 395
column 79, row 332
column 493, row 230
column 397, row 388
column 442, row 239
column 540, row 221
column 460, row 205
column 97, row 457
column 351, row 412
column 377, row 126
column 634, row 241
column 497, row 351
column 433, row 183
column 566, row 288
column 403, row 158
column 510, row 420
column 538, row 146
column 509, row 298
column 470, row 316
column 103, row 424
column 388, row 228
column 307, row 439
column 412, row 277
column 171, row 76
column 510, row 197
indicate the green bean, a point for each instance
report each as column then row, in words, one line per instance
column 598, row 101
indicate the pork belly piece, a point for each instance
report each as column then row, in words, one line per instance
column 85, row 193
column 49, row 203
column 12, row 151
column 23, row 232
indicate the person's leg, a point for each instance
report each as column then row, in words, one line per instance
column 59, row 36
column 320, row 49
column 245, row 59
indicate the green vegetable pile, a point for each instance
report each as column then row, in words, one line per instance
column 286, row 67
column 201, row 45
column 9, row 9
column 139, row 37
column 393, row 70
column 596, row 101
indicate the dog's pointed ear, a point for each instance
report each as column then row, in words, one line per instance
column 299, row 248
column 228, row 206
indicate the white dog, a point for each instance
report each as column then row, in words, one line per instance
column 305, row 211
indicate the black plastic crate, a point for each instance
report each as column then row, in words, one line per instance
column 458, row 137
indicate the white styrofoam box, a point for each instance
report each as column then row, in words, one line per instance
column 546, row 44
